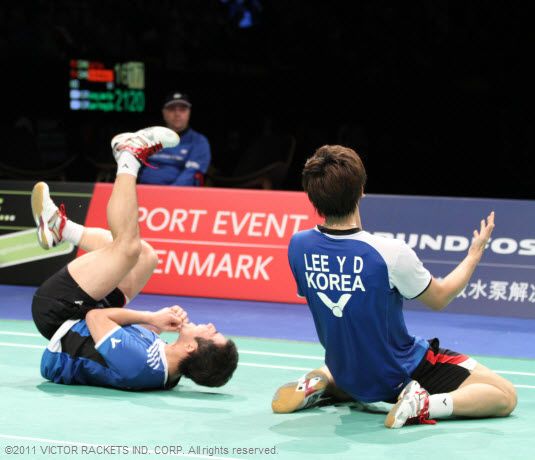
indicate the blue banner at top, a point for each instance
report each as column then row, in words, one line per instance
column 440, row 231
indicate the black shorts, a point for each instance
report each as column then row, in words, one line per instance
column 59, row 298
column 442, row 370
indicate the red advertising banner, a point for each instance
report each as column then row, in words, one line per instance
column 223, row 243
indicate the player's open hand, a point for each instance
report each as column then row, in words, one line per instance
column 481, row 237
column 167, row 319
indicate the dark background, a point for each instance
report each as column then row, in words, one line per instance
column 435, row 95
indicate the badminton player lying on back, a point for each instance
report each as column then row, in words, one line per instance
column 93, row 341
column 354, row 283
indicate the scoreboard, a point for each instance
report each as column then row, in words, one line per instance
column 115, row 87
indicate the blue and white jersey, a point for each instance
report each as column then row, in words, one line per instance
column 128, row 357
column 179, row 165
column 354, row 285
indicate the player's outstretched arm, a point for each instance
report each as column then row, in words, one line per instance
column 441, row 292
column 102, row 321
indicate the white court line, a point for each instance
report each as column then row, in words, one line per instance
column 271, row 366
column 218, row 243
column 525, row 386
column 531, row 374
column 21, row 345
column 245, row 352
column 87, row 444
column 22, row 334
column 268, row 366
column 282, row 355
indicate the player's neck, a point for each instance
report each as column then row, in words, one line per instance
column 174, row 355
column 345, row 223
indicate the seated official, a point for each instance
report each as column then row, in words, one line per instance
column 187, row 163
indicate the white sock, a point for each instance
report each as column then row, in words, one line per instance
column 72, row 232
column 128, row 164
column 440, row 405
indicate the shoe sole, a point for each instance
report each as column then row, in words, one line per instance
column 164, row 136
column 287, row 399
column 38, row 193
column 392, row 419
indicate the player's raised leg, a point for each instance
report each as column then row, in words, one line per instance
column 54, row 227
column 100, row 271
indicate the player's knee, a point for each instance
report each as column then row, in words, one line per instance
column 507, row 401
column 510, row 400
column 149, row 255
column 130, row 248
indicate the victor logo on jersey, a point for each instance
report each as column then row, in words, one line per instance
column 336, row 307
column 115, row 342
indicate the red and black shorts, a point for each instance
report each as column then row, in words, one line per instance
column 442, row 370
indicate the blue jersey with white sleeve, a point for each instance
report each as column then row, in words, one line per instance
column 128, row 357
column 354, row 283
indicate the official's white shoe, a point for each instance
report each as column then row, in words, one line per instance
column 144, row 143
column 50, row 219
column 412, row 407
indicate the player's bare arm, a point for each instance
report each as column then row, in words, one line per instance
column 441, row 292
column 102, row 321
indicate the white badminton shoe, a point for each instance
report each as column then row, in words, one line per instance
column 144, row 143
column 306, row 392
column 412, row 407
column 50, row 219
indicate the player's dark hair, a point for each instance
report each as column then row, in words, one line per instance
column 210, row 365
column 334, row 179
